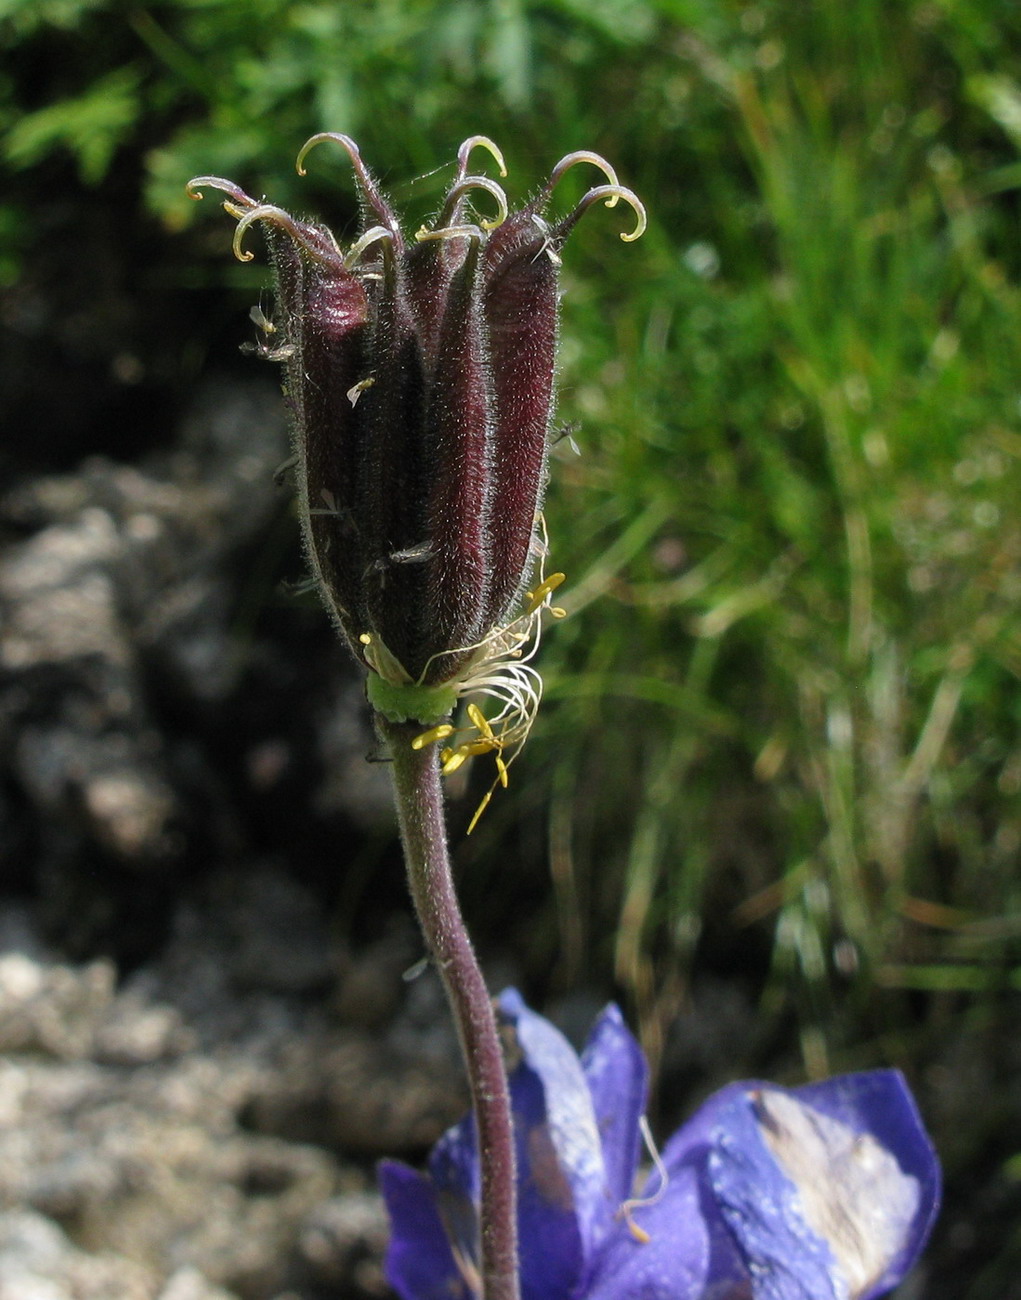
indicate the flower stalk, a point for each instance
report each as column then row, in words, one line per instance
column 419, row 799
column 419, row 374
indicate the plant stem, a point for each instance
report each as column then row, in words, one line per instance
column 416, row 778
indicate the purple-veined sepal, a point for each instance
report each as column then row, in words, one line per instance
column 420, row 383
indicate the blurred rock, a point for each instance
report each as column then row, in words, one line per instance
column 200, row 1053
column 343, row 1240
column 371, row 987
column 205, row 1126
column 279, row 938
column 127, row 570
column 350, row 1091
column 189, row 1284
column 155, row 711
column 37, row 1262
column 52, row 1010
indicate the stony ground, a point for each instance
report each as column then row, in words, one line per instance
column 206, row 1127
column 200, row 1063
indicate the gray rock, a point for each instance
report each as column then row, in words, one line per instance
column 343, row 1240
column 191, row 1131
column 38, row 1262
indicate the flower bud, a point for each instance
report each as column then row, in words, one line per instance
column 420, row 381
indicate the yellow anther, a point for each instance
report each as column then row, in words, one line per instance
column 503, row 673
column 454, row 761
column 479, row 811
column 558, row 611
column 533, row 599
column 480, row 721
column 356, row 391
column 431, row 736
column 638, row 1233
column 366, row 638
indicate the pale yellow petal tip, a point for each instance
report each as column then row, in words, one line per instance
column 320, row 138
column 611, row 193
column 641, row 215
column 481, row 142
column 583, row 156
column 450, row 226
column 364, row 241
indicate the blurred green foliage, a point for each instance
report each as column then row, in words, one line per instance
column 785, row 719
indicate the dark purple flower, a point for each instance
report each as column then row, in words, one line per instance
column 419, row 375
column 824, row 1192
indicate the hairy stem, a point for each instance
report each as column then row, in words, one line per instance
column 419, row 798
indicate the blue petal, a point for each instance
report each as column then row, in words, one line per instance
column 829, row 1190
column 564, row 1208
column 618, row 1080
column 673, row 1254
column 879, row 1103
column 761, row 1205
column 419, row 1262
column 454, row 1171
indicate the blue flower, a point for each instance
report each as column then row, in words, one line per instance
column 824, row 1192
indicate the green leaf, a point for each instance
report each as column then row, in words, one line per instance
column 91, row 126
column 1000, row 96
column 27, row 16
